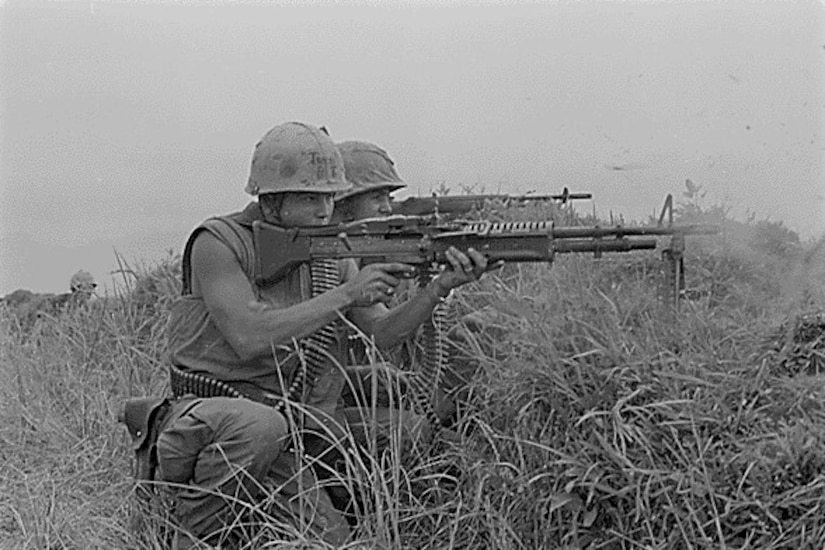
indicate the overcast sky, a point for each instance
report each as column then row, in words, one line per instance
column 124, row 124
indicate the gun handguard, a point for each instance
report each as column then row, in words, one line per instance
column 422, row 241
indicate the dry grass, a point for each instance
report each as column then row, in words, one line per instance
column 596, row 418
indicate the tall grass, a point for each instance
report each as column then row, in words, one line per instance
column 596, row 418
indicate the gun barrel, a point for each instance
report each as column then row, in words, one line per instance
column 574, row 197
column 618, row 231
column 598, row 246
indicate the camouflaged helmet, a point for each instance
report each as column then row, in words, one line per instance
column 367, row 167
column 296, row 157
column 82, row 281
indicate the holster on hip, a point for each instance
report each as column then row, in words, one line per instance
column 143, row 418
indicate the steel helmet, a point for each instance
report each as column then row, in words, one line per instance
column 367, row 167
column 82, row 281
column 296, row 157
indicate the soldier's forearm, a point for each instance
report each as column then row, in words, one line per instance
column 268, row 326
column 402, row 320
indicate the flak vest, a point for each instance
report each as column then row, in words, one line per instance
column 195, row 343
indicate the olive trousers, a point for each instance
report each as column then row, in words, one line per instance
column 224, row 460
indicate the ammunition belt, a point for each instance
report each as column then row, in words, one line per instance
column 323, row 276
column 427, row 381
column 201, row 385
column 184, row 383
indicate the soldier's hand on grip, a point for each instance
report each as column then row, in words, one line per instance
column 376, row 283
column 464, row 267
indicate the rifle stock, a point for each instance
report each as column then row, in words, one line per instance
column 422, row 241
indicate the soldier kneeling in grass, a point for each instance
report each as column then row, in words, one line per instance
column 258, row 370
column 374, row 178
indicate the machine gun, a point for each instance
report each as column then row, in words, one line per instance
column 423, row 241
column 461, row 204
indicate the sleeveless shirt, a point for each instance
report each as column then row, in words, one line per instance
column 195, row 343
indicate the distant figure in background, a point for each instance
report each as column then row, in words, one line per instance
column 82, row 288
column 82, row 285
column 28, row 307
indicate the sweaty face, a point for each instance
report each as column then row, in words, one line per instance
column 314, row 209
column 372, row 204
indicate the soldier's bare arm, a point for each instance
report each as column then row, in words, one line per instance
column 391, row 326
column 249, row 326
column 252, row 327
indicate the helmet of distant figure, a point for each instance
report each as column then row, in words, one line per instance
column 296, row 157
column 82, row 281
column 367, row 167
